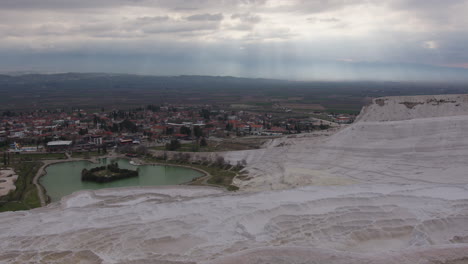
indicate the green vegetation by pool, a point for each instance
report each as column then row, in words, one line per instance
column 65, row 178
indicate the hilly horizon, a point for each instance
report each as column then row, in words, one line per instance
column 51, row 91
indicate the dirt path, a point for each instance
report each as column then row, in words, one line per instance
column 39, row 174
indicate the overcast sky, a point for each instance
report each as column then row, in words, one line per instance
column 288, row 39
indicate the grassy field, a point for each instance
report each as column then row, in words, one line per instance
column 224, row 145
column 187, row 147
column 75, row 90
column 222, row 177
column 85, row 154
column 241, row 143
column 25, row 196
column 219, row 176
column 41, row 156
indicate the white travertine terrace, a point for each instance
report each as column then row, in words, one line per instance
column 8, row 178
column 391, row 188
column 399, row 140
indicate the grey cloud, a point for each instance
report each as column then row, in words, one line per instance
column 205, row 17
column 125, row 28
column 252, row 39
column 146, row 19
column 185, row 8
column 323, row 20
column 426, row 5
column 279, row 34
column 320, row 6
column 180, row 5
column 176, row 28
column 60, row 4
column 245, row 21
column 247, row 18
column 154, row 25
column 432, row 11
column 242, row 27
column 149, row 25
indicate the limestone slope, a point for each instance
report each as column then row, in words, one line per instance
column 400, row 140
column 340, row 224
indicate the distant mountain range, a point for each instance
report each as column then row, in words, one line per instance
column 96, row 90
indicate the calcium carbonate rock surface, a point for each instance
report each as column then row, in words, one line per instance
column 425, row 142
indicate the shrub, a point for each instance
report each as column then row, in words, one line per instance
column 173, row 145
column 232, row 188
column 203, row 142
column 90, row 175
column 220, row 161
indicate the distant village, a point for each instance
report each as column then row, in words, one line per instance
column 81, row 130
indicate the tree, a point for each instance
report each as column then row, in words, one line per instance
column 129, row 126
column 153, row 108
column 95, row 120
column 126, row 149
column 115, row 128
column 203, row 142
column 83, row 131
column 169, row 130
column 220, row 161
column 173, row 145
column 185, row 130
column 205, row 113
column 141, row 150
column 8, row 113
column 197, row 131
column 323, row 126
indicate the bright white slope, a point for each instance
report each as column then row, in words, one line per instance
column 424, row 144
column 391, row 188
